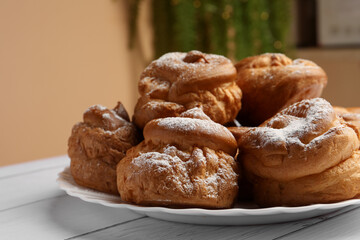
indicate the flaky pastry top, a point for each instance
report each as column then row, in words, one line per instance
column 162, row 174
column 272, row 81
column 273, row 62
column 189, row 72
column 179, row 81
column 191, row 128
column 105, row 134
column 303, row 139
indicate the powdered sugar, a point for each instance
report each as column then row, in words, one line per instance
column 296, row 123
column 185, row 171
column 297, row 72
column 106, row 116
column 153, row 105
column 313, row 110
column 190, row 124
column 174, row 63
column 172, row 167
column 96, row 107
column 267, row 74
column 195, row 113
column 154, row 159
column 173, row 151
column 305, row 64
column 183, row 124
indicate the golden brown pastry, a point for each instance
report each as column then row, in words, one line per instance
column 305, row 154
column 350, row 115
column 335, row 184
column 185, row 161
column 272, row 81
column 180, row 81
column 97, row 144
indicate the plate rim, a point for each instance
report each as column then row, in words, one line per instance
column 76, row 190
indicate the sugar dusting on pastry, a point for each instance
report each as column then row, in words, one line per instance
column 196, row 112
column 188, row 80
column 179, row 168
column 175, row 62
column 94, row 107
column 187, row 124
column 97, row 144
column 182, row 161
column 302, row 139
column 297, row 122
column 189, row 131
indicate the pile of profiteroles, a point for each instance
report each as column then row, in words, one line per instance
column 207, row 133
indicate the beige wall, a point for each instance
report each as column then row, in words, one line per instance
column 59, row 57
column 56, row 59
column 342, row 66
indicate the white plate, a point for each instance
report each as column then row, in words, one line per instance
column 242, row 214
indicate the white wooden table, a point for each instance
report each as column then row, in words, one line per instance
column 33, row 207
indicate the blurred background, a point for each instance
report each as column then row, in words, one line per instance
column 57, row 58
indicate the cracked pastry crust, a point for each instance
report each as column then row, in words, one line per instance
column 271, row 82
column 305, row 154
column 178, row 81
column 174, row 171
column 97, row 144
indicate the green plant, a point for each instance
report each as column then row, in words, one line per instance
column 234, row 28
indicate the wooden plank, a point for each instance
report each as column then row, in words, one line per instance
column 341, row 226
column 148, row 228
column 33, row 207
column 22, row 184
column 20, row 189
column 38, row 165
column 59, row 218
